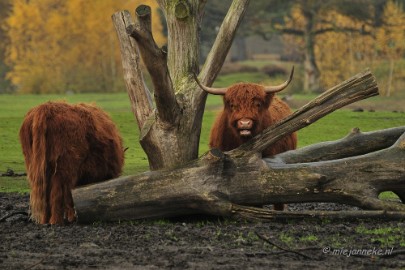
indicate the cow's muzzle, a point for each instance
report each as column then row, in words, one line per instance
column 244, row 127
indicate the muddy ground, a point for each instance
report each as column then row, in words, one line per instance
column 199, row 243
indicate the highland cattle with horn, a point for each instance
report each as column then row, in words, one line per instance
column 249, row 109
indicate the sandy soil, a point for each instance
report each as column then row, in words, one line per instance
column 196, row 243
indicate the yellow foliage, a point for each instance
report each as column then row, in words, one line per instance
column 59, row 46
column 295, row 21
column 338, row 54
column 391, row 38
column 342, row 54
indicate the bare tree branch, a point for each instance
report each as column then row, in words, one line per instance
column 338, row 29
column 223, row 42
column 282, row 248
column 290, row 31
column 141, row 101
column 354, row 144
column 155, row 61
column 263, row 214
column 182, row 19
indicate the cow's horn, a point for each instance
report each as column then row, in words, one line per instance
column 278, row 88
column 211, row 90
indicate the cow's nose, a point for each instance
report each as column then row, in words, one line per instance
column 245, row 124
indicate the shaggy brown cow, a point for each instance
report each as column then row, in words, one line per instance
column 248, row 110
column 66, row 146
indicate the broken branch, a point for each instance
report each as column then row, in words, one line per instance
column 360, row 86
column 156, row 64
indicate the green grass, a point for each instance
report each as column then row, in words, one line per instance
column 14, row 107
column 309, row 238
column 386, row 235
column 339, row 124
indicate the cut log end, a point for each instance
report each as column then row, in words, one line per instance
column 182, row 10
column 143, row 10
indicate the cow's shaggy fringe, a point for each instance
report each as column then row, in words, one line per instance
column 65, row 146
column 249, row 101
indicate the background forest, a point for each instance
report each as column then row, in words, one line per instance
column 55, row 46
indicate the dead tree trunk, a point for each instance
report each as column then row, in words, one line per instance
column 219, row 184
column 173, row 117
column 229, row 184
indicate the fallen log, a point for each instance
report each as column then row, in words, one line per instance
column 219, row 185
column 354, row 144
column 229, row 184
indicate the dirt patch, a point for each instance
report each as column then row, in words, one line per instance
column 198, row 243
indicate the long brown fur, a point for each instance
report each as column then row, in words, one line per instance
column 65, row 146
column 249, row 101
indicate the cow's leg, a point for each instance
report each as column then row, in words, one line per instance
column 45, row 217
column 47, row 214
column 68, row 204
column 39, row 204
column 56, row 198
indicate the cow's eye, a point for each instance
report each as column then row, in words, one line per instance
column 258, row 104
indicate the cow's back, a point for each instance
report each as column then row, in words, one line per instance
column 105, row 147
column 67, row 145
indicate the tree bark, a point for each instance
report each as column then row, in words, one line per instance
column 217, row 184
column 156, row 64
column 229, row 184
column 356, row 143
column 312, row 74
column 139, row 95
column 179, row 102
column 390, row 77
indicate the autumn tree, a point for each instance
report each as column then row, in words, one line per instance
column 59, row 46
column 311, row 19
column 391, row 37
column 340, row 54
column 306, row 21
column 5, row 9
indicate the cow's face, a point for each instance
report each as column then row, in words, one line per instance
column 246, row 106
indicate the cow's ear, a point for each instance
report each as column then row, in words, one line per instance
column 268, row 99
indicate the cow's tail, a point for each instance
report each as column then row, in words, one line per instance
column 37, row 167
